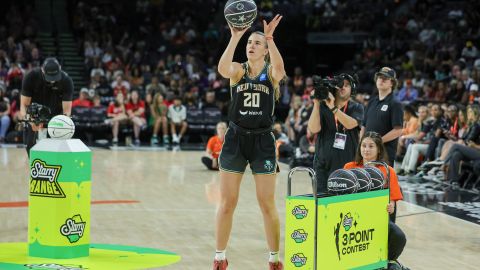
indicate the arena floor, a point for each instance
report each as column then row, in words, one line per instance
column 169, row 204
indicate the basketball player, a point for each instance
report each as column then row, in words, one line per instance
column 371, row 148
column 46, row 85
column 254, row 87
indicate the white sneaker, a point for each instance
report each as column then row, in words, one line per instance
column 433, row 171
column 175, row 138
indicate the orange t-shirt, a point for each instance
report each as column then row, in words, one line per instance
column 411, row 126
column 395, row 192
column 215, row 145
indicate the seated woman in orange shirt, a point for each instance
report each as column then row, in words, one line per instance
column 371, row 149
column 214, row 147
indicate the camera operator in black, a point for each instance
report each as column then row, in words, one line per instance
column 47, row 85
column 337, row 121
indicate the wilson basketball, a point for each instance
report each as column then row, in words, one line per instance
column 378, row 179
column 61, row 127
column 342, row 181
column 363, row 178
column 240, row 13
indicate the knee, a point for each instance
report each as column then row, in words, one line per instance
column 457, row 155
column 267, row 206
column 228, row 205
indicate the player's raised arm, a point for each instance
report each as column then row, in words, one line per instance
column 278, row 69
column 226, row 67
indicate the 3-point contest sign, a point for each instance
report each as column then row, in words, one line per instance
column 59, row 201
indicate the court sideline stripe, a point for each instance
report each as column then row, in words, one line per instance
column 25, row 203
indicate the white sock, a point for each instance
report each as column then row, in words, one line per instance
column 273, row 256
column 220, row 255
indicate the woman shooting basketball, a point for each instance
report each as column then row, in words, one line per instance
column 254, row 87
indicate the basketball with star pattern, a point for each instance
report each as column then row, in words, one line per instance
column 240, row 13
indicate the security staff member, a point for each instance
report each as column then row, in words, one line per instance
column 384, row 114
column 47, row 85
column 337, row 121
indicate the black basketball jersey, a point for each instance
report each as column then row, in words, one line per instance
column 253, row 100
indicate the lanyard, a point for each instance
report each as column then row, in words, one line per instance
column 336, row 120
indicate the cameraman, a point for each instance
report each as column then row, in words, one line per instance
column 337, row 121
column 47, row 85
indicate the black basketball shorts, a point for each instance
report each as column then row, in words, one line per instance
column 241, row 148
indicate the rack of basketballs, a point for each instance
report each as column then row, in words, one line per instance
column 356, row 180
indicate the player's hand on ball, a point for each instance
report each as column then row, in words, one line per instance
column 269, row 28
column 237, row 32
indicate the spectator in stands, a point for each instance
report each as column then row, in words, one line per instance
column 470, row 52
column 411, row 124
column 304, row 113
column 457, row 92
column 422, row 140
column 15, row 76
column 474, row 97
column 136, row 114
column 120, row 85
column 155, row 87
column 448, row 131
column 209, row 100
column 136, row 79
column 159, row 118
column 283, row 145
column 459, row 152
column 291, row 118
column 471, row 132
column 14, row 105
column 4, row 115
column 83, row 99
column 177, row 114
column 214, row 146
column 118, row 115
column 408, row 93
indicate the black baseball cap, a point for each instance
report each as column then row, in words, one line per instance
column 52, row 70
column 387, row 72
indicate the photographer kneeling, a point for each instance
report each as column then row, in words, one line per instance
column 46, row 91
column 336, row 118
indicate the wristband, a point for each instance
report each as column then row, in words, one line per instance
column 269, row 37
column 334, row 110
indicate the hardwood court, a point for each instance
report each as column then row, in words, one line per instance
column 176, row 212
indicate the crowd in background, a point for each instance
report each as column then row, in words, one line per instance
column 156, row 65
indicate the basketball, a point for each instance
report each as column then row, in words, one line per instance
column 61, row 127
column 378, row 180
column 364, row 180
column 240, row 13
column 342, row 181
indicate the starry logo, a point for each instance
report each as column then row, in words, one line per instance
column 268, row 165
column 73, row 228
column 347, row 221
column 54, row 266
column 43, row 180
column 240, row 6
column 299, row 236
column 298, row 260
column 300, row 212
